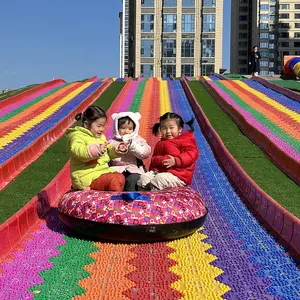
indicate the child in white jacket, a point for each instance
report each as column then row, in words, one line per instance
column 133, row 149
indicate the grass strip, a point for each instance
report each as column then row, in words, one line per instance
column 34, row 178
column 17, row 91
column 274, row 182
column 293, row 85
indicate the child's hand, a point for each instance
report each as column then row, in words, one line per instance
column 122, row 147
column 103, row 147
column 170, row 162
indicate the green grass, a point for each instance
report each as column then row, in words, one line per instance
column 15, row 92
column 234, row 76
column 249, row 156
column 293, row 85
column 34, row 178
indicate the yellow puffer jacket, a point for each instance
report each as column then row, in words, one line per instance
column 84, row 169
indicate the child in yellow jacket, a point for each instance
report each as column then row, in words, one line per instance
column 90, row 153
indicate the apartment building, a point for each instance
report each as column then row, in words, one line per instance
column 274, row 26
column 161, row 38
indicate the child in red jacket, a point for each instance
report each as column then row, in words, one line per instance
column 175, row 155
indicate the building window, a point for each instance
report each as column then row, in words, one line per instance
column 243, row 35
column 284, row 6
column 284, row 44
column 264, row 17
column 243, row 26
column 297, row 25
column 243, row 71
column 264, row 54
column 285, row 53
column 264, row 26
column 208, row 48
column 284, row 34
column 209, row 23
column 188, row 23
column 243, row 44
column 296, row 34
column 284, row 16
column 170, row 23
column 243, row 9
column 272, row 36
column 187, row 70
column 264, row 35
column 243, row 53
column 296, row 44
column 297, row 6
column 207, row 69
column 187, row 48
column 263, row 63
column 271, row 45
column 188, row 3
column 263, row 45
column 297, row 16
column 272, row 9
column 242, row 61
column 146, row 71
column 297, row 52
column 264, row 72
column 209, row 3
column 271, row 54
column 147, row 3
column 169, row 48
column 169, row 70
column 170, row 3
column 284, row 25
column 243, row 18
column 147, row 23
column 147, row 48
column 264, row 7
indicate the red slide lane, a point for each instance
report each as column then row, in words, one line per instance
column 16, row 98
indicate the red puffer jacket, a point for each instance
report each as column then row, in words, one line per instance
column 183, row 149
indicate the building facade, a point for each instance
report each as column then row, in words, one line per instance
column 172, row 37
column 272, row 25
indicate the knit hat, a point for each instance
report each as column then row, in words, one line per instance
column 135, row 119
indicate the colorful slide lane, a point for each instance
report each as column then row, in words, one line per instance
column 33, row 92
column 232, row 257
column 270, row 119
column 28, row 130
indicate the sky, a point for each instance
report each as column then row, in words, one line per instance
column 68, row 39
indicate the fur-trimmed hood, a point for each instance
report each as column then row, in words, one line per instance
column 135, row 119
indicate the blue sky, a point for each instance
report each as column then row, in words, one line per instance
column 69, row 39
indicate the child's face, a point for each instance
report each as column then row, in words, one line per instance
column 126, row 128
column 169, row 129
column 97, row 127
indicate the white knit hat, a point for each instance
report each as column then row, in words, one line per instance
column 135, row 119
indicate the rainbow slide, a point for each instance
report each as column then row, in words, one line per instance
column 231, row 257
column 269, row 118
